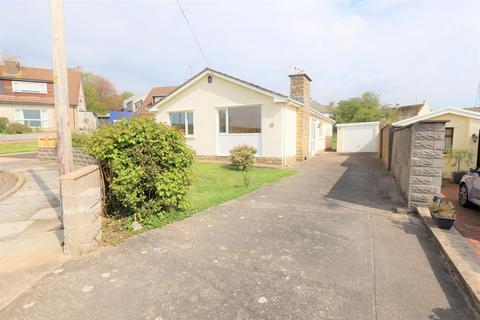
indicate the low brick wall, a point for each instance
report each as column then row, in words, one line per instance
column 82, row 209
column 25, row 136
column 80, row 156
column 260, row 160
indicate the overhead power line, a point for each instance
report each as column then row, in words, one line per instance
column 193, row 33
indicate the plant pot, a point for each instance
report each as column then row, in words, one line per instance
column 442, row 222
column 457, row 176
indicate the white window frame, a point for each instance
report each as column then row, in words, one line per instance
column 19, row 117
column 29, row 87
column 186, row 121
column 227, row 121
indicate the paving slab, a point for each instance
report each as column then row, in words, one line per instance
column 322, row 244
column 461, row 255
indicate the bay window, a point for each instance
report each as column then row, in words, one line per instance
column 182, row 121
column 34, row 118
column 240, row 120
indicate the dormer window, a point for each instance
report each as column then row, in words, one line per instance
column 157, row 99
column 29, row 87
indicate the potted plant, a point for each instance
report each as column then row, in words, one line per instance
column 459, row 158
column 443, row 213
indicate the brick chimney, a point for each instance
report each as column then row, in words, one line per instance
column 300, row 91
column 12, row 67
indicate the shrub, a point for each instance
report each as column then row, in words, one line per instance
column 460, row 158
column 3, row 124
column 79, row 139
column 242, row 156
column 146, row 165
column 15, row 127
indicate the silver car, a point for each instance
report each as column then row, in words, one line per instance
column 469, row 190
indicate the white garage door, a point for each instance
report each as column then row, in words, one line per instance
column 358, row 138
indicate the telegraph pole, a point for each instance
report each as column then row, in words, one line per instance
column 60, row 85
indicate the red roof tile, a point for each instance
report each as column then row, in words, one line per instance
column 156, row 91
column 41, row 74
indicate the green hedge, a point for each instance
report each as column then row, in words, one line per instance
column 146, row 165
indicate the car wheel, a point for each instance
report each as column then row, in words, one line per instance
column 463, row 195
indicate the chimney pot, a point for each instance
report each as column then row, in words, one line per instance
column 12, row 67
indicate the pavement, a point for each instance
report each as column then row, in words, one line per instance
column 467, row 221
column 322, row 244
column 7, row 182
column 21, row 155
column 40, row 190
column 30, row 229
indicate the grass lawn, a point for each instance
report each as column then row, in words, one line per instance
column 15, row 147
column 213, row 183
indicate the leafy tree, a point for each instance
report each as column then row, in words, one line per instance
column 362, row 109
column 126, row 95
column 100, row 94
column 91, row 100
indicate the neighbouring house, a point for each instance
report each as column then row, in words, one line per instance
column 358, row 137
column 26, row 96
column 411, row 110
column 462, row 131
column 133, row 103
column 217, row 112
column 154, row 96
column 326, row 109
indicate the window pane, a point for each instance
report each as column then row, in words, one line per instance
column 448, row 139
column 244, row 120
column 190, row 122
column 222, row 120
column 177, row 120
column 33, row 123
column 31, row 114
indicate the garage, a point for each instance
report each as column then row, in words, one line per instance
column 357, row 137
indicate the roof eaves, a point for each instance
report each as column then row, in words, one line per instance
column 456, row 111
column 221, row 74
column 352, row 124
column 321, row 115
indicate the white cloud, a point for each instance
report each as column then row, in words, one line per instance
column 406, row 51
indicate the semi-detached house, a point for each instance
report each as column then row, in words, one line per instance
column 26, row 96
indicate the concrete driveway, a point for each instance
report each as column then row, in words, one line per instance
column 322, row 244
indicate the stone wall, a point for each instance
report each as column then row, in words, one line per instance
column 417, row 160
column 82, row 209
column 80, row 156
column 428, row 139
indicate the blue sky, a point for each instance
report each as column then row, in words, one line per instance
column 406, row 51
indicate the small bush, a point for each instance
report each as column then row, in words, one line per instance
column 242, row 156
column 146, row 165
column 16, row 128
column 3, row 124
column 79, row 139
